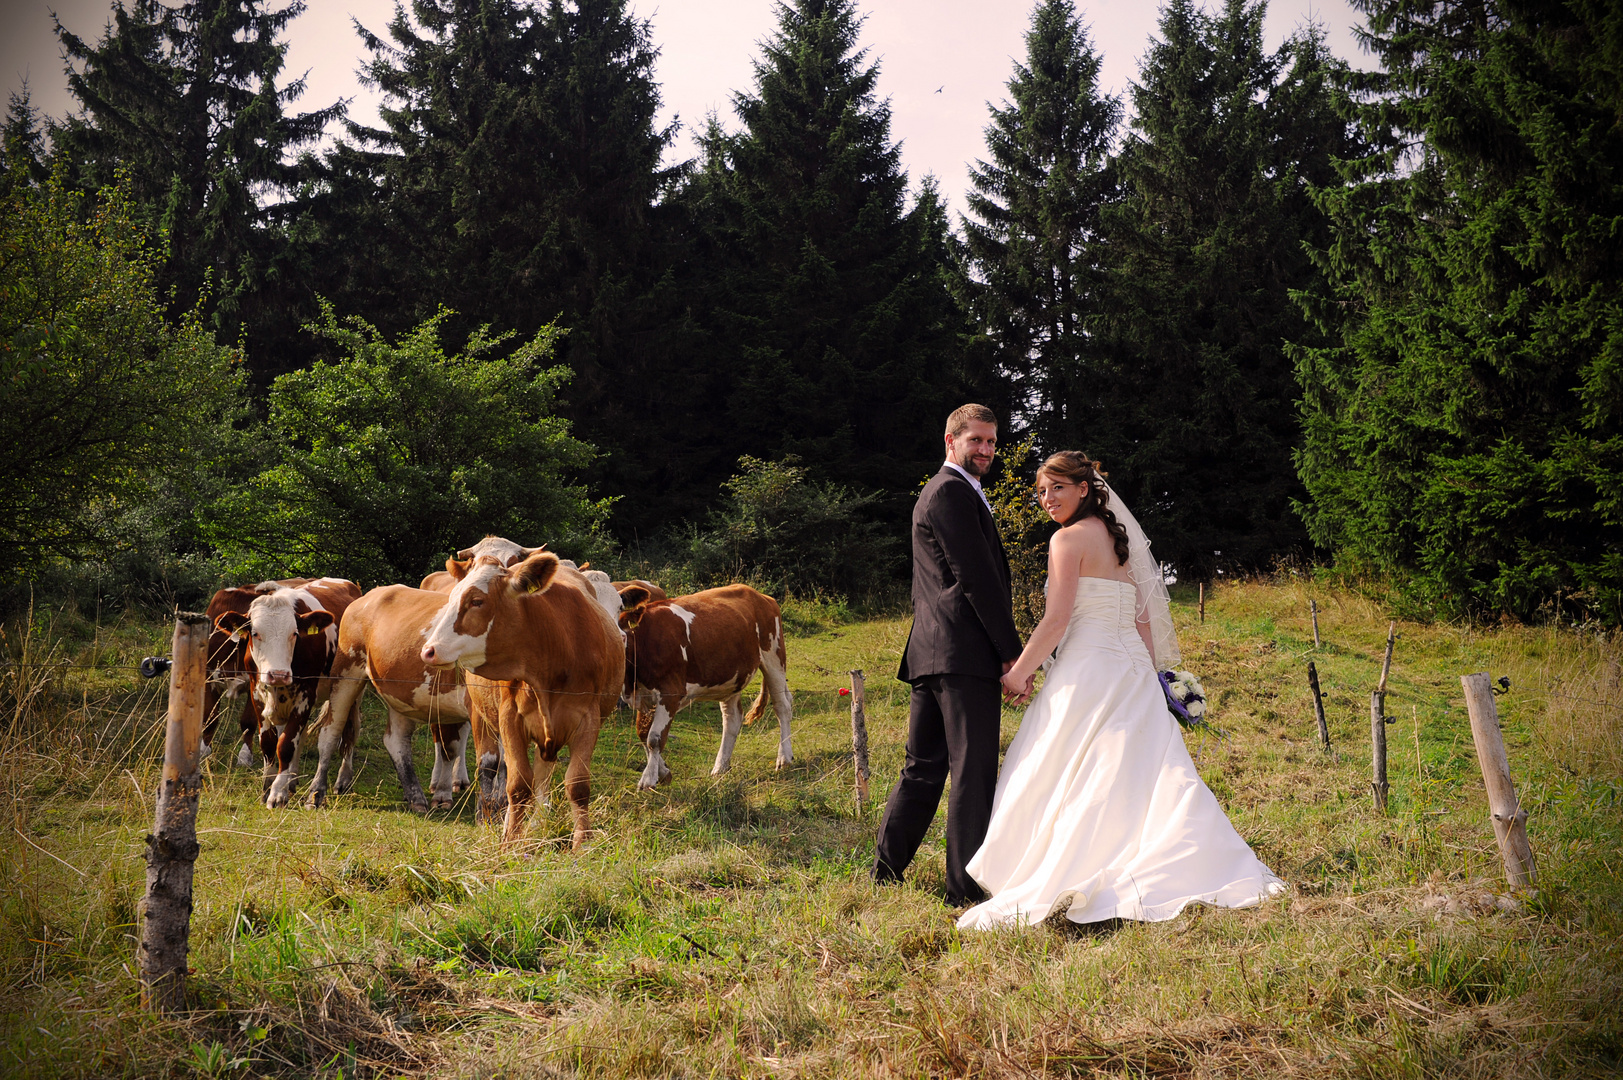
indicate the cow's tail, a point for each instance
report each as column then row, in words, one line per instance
column 758, row 709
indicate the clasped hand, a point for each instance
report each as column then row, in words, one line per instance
column 1016, row 691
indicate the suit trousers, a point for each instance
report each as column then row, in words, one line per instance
column 952, row 730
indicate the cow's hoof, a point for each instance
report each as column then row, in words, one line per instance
column 460, row 786
column 441, row 802
column 784, row 762
column 203, row 751
column 316, row 799
column 418, row 806
column 245, row 758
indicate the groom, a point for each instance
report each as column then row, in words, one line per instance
column 962, row 641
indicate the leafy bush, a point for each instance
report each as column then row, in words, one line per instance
column 1024, row 528
column 386, row 460
column 794, row 536
column 99, row 395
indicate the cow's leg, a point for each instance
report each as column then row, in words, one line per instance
column 459, row 778
column 775, row 681
column 732, row 722
column 212, row 694
column 329, row 739
column 248, row 728
column 578, row 776
column 487, row 744
column 656, row 772
column 448, row 746
column 269, row 737
column 352, row 733
column 520, row 779
column 397, row 740
column 287, row 762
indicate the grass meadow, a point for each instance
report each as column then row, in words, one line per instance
column 726, row 927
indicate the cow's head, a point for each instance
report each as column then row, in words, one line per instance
column 459, row 634
column 272, row 627
column 633, row 605
column 499, row 548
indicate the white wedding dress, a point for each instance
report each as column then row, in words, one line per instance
column 1099, row 811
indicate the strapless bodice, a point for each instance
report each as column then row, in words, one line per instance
column 1104, row 616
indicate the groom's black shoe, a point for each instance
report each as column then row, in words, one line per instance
column 964, row 901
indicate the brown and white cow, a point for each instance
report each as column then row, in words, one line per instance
column 229, row 669
column 540, row 625
column 703, row 647
column 380, row 640
column 654, row 591
column 291, row 635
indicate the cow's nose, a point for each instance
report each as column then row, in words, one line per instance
column 429, row 655
column 279, row 678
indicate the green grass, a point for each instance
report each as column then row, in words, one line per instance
column 726, row 927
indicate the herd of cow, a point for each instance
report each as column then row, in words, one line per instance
column 510, row 644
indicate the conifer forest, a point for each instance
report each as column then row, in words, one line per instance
column 1305, row 314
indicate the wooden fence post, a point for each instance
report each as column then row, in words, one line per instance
column 1377, row 725
column 1202, row 601
column 1318, row 704
column 166, row 910
column 859, row 735
column 1313, row 606
column 1509, row 819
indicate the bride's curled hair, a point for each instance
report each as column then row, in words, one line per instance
column 1077, row 468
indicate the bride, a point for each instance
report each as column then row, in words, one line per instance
column 1099, row 812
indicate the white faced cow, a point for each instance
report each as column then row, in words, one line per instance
column 229, row 668
column 702, row 647
column 538, row 627
column 291, row 636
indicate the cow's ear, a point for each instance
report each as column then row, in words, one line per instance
column 314, row 622
column 231, row 622
column 633, row 596
column 534, row 574
column 524, row 553
column 457, row 570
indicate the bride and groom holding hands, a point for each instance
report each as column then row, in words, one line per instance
column 1098, row 812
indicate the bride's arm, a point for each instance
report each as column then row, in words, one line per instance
column 1064, row 563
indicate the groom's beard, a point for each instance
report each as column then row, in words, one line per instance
column 967, row 462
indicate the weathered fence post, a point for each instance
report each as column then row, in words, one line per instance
column 1318, row 704
column 1377, row 724
column 1202, row 601
column 1313, row 607
column 859, row 735
column 166, row 910
column 1509, row 819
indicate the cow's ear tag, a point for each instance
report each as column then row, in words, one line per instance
column 238, row 634
column 313, row 630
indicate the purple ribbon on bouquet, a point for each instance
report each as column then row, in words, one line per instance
column 1174, row 706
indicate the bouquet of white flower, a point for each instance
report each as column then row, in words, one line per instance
column 1186, row 698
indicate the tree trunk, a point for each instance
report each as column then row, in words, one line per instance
column 859, row 735
column 166, row 910
column 1509, row 819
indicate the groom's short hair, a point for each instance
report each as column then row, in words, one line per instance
column 964, row 415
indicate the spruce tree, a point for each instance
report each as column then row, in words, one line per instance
column 22, row 144
column 1464, row 430
column 835, row 335
column 1031, row 262
column 517, row 178
column 1195, row 398
column 185, row 102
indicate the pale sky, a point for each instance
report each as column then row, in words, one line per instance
column 941, row 61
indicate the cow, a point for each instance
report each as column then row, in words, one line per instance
column 538, row 625
column 702, row 647
column 291, row 637
column 379, row 641
column 228, row 668
column 654, row 591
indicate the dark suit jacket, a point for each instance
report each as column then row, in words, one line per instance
column 963, row 619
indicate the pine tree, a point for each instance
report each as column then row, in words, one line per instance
column 835, row 335
column 1194, row 411
column 22, row 145
column 185, row 102
column 1464, row 430
column 1031, row 262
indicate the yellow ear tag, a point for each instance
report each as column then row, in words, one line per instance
column 313, row 631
